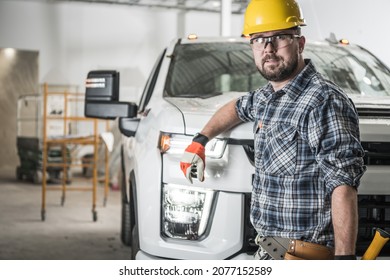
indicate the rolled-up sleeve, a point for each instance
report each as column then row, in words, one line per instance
column 333, row 134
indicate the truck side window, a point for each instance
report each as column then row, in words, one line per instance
column 151, row 82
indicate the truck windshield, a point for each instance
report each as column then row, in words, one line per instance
column 205, row 70
column 354, row 69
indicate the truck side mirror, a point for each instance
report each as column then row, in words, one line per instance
column 102, row 97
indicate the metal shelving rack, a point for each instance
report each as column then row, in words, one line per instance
column 63, row 114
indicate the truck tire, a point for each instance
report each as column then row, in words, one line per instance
column 135, row 243
column 126, row 236
column 128, row 218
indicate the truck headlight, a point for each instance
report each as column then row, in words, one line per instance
column 176, row 144
column 186, row 211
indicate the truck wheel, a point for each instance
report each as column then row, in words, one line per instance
column 126, row 224
column 128, row 218
column 135, row 245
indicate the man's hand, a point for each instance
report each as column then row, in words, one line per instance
column 193, row 160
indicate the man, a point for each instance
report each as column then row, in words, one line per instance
column 308, row 157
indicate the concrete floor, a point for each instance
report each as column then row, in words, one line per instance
column 68, row 232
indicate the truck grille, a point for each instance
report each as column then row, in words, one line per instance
column 250, row 233
column 374, row 212
column 376, row 153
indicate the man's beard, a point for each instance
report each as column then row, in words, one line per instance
column 280, row 73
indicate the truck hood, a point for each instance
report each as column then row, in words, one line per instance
column 197, row 111
column 372, row 107
column 362, row 101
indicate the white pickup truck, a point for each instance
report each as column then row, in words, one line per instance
column 163, row 215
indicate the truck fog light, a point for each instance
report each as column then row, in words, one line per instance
column 186, row 211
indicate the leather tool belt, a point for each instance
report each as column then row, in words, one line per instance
column 287, row 249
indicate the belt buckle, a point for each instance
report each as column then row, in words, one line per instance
column 276, row 247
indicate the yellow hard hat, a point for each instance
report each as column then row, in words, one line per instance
column 270, row 15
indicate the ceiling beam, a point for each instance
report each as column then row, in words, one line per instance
column 237, row 6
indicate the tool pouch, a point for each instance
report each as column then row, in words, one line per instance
column 301, row 250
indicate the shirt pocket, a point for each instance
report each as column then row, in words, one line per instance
column 280, row 151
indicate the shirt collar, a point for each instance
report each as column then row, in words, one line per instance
column 292, row 88
column 299, row 83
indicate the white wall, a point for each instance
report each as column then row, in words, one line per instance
column 73, row 38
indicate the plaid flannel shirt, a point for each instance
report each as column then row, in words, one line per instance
column 306, row 139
